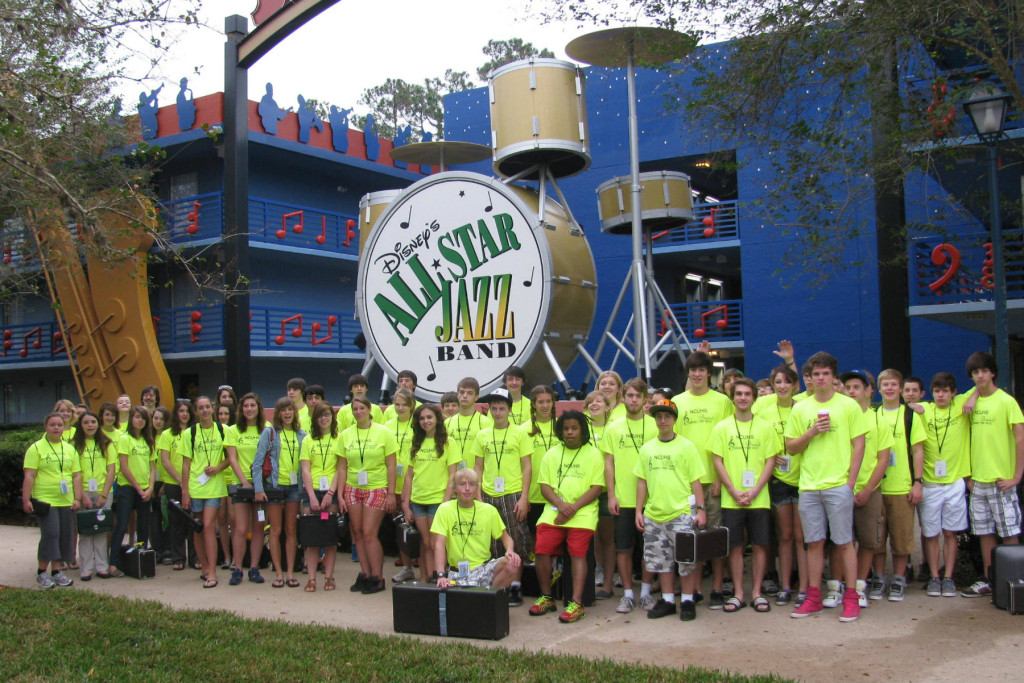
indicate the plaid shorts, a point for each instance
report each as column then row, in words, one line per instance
column 994, row 511
column 660, row 545
column 522, row 539
column 371, row 498
column 481, row 575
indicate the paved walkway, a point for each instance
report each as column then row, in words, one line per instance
column 921, row 639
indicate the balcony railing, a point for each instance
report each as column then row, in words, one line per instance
column 958, row 269
column 198, row 329
column 201, row 218
column 711, row 320
column 712, row 223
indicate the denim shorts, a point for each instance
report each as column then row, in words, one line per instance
column 199, row 503
column 292, row 493
column 424, row 510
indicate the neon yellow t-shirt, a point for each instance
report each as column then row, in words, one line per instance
column 209, row 452
column 898, row 476
column 698, row 416
column 744, row 447
column 623, row 439
column 141, row 459
column 245, row 444
column 467, row 532
column 322, row 455
column 288, row 460
column 403, row 437
column 519, row 414
column 366, row 450
column 787, row 467
column 169, row 442
column 670, row 469
column 825, row 463
column 430, row 472
column 570, row 474
column 993, row 449
column 93, row 464
column 877, row 444
column 502, row 451
column 462, row 430
column 54, row 463
column 597, row 432
column 616, row 413
column 948, row 439
column 542, row 441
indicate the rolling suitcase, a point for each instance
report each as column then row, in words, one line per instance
column 139, row 563
column 458, row 612
column 1016, row 589
column 1007, row 566
column 700, row 545
column 318, row 530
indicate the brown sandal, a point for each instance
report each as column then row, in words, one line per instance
column 310, row 586
column 329, row 583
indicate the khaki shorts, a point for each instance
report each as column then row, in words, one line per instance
column 714, row 506
column 899, row 523
column 869, row 523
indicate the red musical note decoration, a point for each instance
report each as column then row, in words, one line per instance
column 193, row 219
column 297, row 228
column 332, row 320
column 196, row 327
column 940, row 255
column 988, row 275
column 297, row 332
column 8, row 343
column 250, row 321
column 720, row 324
column 7, row 255
column 58, row 338
column 38, row 343
column 349, row 232
column 322, row 237
column 660, row 235
column 709, row 223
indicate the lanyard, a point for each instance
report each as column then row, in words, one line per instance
column 562, row 471
column 60, row 458
column 324, row 452
column 361, row 445
column 458, row 427
column 550, row 437
column 400, row 438
column 632, row 435
column 291, row 445
column 739, row 437
column 949, row 416
column 92, row 458
column 206, row 445
column 494, row 446
column 465, row 535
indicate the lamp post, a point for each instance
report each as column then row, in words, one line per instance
column 987, row 108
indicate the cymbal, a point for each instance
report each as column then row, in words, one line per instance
column 650, row 44
column 441, row 153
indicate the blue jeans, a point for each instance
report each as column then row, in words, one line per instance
column 126, row 500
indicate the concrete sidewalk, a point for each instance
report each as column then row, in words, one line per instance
column 921, row 639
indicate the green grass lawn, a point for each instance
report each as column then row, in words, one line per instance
column 70, row 635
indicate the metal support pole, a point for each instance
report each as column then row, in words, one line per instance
column 641, row 357
column 1002, row 341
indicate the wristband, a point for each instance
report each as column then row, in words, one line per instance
column 702, row 507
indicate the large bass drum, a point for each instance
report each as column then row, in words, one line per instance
column 539, row 116
column 666, row 201
column 460, row 278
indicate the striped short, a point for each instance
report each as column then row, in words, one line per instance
column 994, row 511
column 522, row 539
column 371, row 498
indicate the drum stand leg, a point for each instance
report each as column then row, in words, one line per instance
column 544, row 179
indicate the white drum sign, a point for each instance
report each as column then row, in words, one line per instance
column 457, row 280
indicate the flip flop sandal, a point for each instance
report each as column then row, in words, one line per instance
column 761, row 604
column 178, row 566
column 210, row 583
column 734, row 604
column 293, row 582
column 278, row 583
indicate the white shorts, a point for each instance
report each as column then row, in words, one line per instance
column 943, row 508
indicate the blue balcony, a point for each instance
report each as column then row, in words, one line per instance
column 195, row 331
column 199, row 220
column 31, row 345
column 715, row 321
column 714, row 225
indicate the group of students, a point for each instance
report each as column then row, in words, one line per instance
column 786, row 472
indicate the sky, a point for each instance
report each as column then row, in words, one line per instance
column 355, row 45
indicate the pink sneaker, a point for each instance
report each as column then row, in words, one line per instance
column 811, row 606
column 851, row 606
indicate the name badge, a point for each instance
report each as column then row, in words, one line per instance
column 63, row 486
column 92, row 486
column 293, row 478
column 362, row 478
column 748, row 479
column 399, row 469
column 940, row 468
column 692, row 500
column 783, row 463
column 499, row 484
column 324, row 484
column 464, row 569
column 203, row 478
column 892, row 458
column 261, row 516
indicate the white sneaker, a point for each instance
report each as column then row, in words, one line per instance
column 834, row 597
column 646, row 602
column 862, row 597
column 61, row 580
column 407, row 574
column 599, row 576
column 45, row 580
column 897, row 588
column 877, row 588
column 626, row 605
